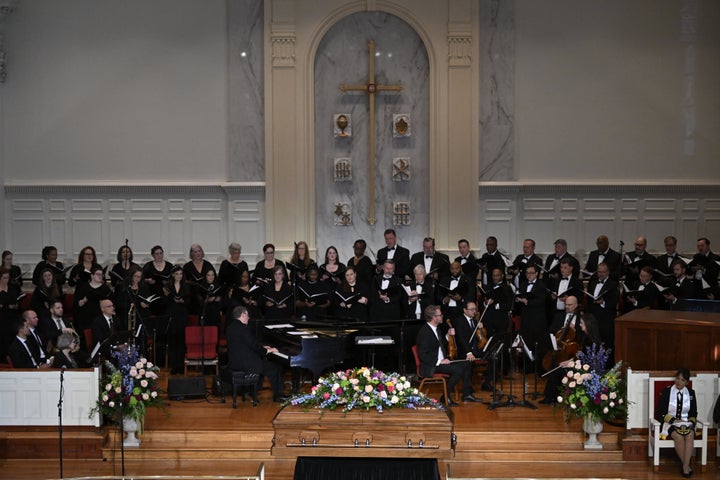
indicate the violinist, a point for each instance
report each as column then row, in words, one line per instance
column 573, row 331
column 432, row 347
column 471, row 338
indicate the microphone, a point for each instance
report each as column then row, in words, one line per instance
column 62, row 369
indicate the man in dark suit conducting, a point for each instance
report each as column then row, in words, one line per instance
column 433, row 352
column 246, row 354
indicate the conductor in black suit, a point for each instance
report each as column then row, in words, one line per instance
column 396, row 253
column 433, row 354
column 437, row 265
column 246, row 354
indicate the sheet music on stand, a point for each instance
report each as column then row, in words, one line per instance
column 374, row 340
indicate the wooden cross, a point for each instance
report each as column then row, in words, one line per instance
column 371, row 88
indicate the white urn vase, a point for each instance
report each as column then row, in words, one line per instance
column 130, row 426
column 592, row 428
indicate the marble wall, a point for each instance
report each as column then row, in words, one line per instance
column 246, row 122
column 342, row 58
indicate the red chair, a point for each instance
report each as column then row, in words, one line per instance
column 89, row 339
column 436, row 378
column 199, row 354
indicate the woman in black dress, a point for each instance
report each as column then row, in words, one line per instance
column 312, row 296
column 232, row 267
column 195, row 271
column 333, row 269
column 87, row 299
column 351, row 298
column 364, row 267
column 9, row 310
column 178, row 294
column 156, row 274
column 81, row 272
column 300, row 262
column 134, row 292
column 45, row 293
column 247, row 295
column 209, row 299
column 49, row 256
column 263, row 273
column 121, row 270
column 278, row 296
column 69, row 354
column 15, row 272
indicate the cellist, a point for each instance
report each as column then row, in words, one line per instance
column 576, row 327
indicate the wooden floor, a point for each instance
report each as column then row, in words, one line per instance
column 205, row 437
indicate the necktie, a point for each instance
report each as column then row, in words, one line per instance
column 568, row 319
column 27, row 349
column 59, row 323
column 678, row 408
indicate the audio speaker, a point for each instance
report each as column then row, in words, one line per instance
column 180, row 388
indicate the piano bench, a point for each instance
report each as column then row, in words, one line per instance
column 242, row 379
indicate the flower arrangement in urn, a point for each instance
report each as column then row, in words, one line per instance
column 132, row 384
column 364, row 388
column 591, row 391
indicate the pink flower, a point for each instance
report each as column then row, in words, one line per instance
column 339, row 391
column 326, row 395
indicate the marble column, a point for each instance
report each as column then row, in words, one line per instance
column 342, row 58
column 246, row 133
column 497, row 85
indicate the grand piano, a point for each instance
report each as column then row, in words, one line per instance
column 330, row 343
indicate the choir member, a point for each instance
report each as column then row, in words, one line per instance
column 437, row 265
column 387, row 294
column 49, row 256
column 392, row 251
column 532, row 298
column 15, row 271
column 121, row 270
column 87, row 299
column 467, row 260
column 278, row 296
column 421, row 293
column 9, row 310
column 552, row 262
column 645, row 293
column 522, row 261
column 604, row 254
column 333, row 269
column 232, row 267
column 312, row 296
column 178, row 295
column 209, row 299
column 491, row 260
column 81, row 271
column 364, row 269
column 300, row 262
column 352, row 297
column 156, row 274
column 263, row 273
column 45, row 293
column 637, row 259
column 245, row 294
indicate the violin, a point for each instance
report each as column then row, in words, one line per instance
column 452, row 346
column 568, row 348
column 480, row 330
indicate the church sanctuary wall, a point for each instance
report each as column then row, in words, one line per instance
column 139, row 120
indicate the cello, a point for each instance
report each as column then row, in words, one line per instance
column 568, row 348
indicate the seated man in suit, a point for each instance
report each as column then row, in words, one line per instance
column 467, row 260
column 436, row 264
column 552, row 262
column 104, row 326
column 34, row 339
column 604, row 254
column 19, row 351
column 53, row 325
column 246, row 354
column 396, row 253
column 433, row 354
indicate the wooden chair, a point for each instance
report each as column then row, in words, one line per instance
column 439, row 378
column 198, row 353
column 655, row 443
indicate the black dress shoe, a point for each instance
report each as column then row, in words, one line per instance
column 471, row 398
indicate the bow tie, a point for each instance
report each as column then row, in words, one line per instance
column 566, row 279
column 454, row 278
column 428, row 256
column 464, row 258
column 387, row 277
column 600, row 282
column 391, row 249
column 531, row 283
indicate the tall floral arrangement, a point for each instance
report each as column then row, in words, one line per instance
column 589, row 389
column 133, row 383
column 364, row 388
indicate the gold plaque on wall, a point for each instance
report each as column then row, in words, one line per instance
column 401, row 125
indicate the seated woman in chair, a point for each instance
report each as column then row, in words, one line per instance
column 677, row 409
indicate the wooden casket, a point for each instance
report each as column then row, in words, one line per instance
column 423, row 433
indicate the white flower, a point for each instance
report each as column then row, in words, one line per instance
column 118, row 389
column 368, row 388
column 111, row 404
column 573, row 406
column 559, row 399
column 406, row 384
column 578, row 365
column 366, row 399
column 586, row 367
column 579, row 381
column 403, row 379
column 605, row 410
column 383, row 394
column 569, row 374
column 138, row 365
column 145, row 396
column 105, row 398
column 603, row 397
column 153, row 394
column 394, row 399
column 356, row 388
column 133, row 371
column 576, row 376
column 400, row 387
column 572, row 384
column 612, row 404
column 354, row 381
column 335, row 386
column 565, row 380
column 108, row 387
column 149, row 364
column 613, row 395
column 620, row 401
column 141, row 372
column 144, row 383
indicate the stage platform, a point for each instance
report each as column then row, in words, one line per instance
column 209, row 438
